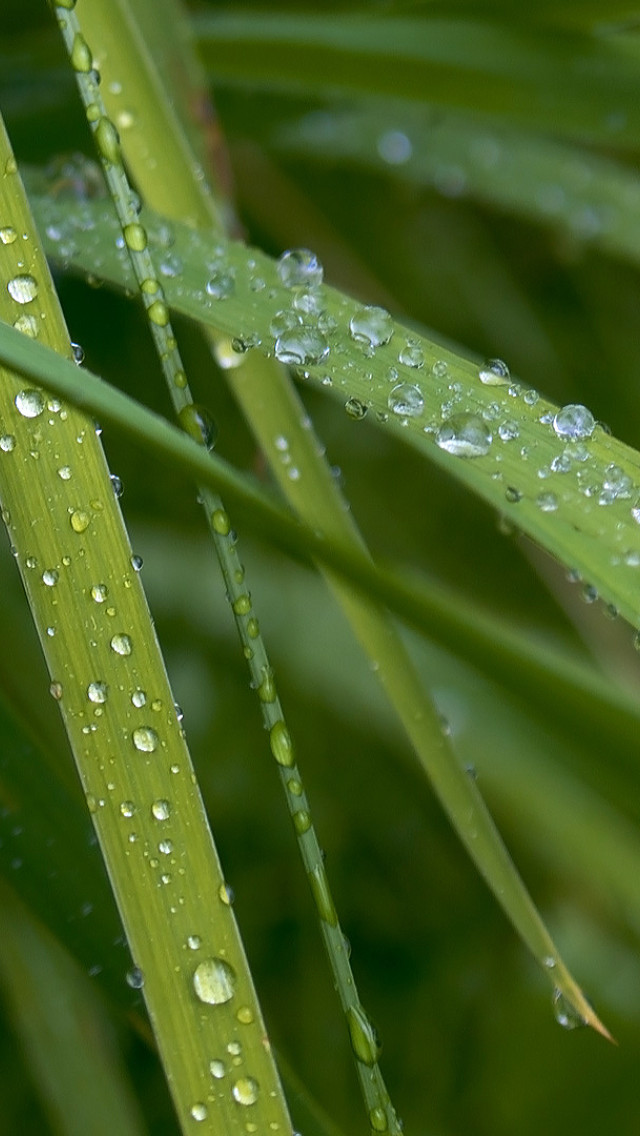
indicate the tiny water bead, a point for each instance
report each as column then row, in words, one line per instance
column 27, row 324
column 299, row 268
column 30, row 403
column 199, row 1111
column 302, row 345
column 23, row 288
column 97, row 692
column 145, row 739
column 322, row 895
column 56, row 690
column 356, row 409
column 221, row 284
column 406, row 400
column 7, row 443
column 378, row 1119
column 217, row 1068
column 214, row 981
column 50, row 577
column 121, row 644
column 574, row 422
column 363, row 1035
column 79, row 520
column 245, row 1090
column 465, row 435
column 161, row 809
column 135, row 978
column 371, row 326
column 281, row 744
column 547, row 502
column 127, row 808
column 199, row 424
column 99, row 593
column 565, row 1014
column 495, row 373
column 411, row 355
column 8, row 234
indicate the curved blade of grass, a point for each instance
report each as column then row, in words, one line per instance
column 550, row 79
column 107, row 673
column 588, row 198
column 64, row 1036
column 577, row 496
column 457, row 790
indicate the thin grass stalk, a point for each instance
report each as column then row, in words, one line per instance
column 197, row 423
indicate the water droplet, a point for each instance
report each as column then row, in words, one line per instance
column 378, row 1119
column 508, row 430
column 27, row 324
column 221, row 284
column 23, row 289
column 411, row 355
column 79, row 520
column 116, row 485
column 218, row 1069
column 565, row 1014
column 99, row 593
column 371, row 326
column 267, row 689
column 281, row 744
column 301, row 821
column 137, row 563
column 355, row 408
column 199, row 424
column 135, row 978
column 139, row 698
column 245, row 1090
column 301, row 346
column 406, row 401
column 214, row 981
column 220, row 522
column 194, row 942
column 547, row 502
column 161, row 809
column 363, row 1035
column 573, row 422
column 165, row 847
column 226, row 894
column 55, row 690
column 50, row 577
column 7, row 443
column 97, row 692
column 495, row 373
column 299, row 268
column 145, row 739
column 465, row 435
column 8, row 234
column 121, row 644
column 199, row 1111
column 30, row 402
column 127, row 808
column 245, row 1015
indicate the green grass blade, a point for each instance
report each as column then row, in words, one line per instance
column 107, row 674
column 549, row 79
column 571, row 487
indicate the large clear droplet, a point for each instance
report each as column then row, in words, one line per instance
column 299, row 268
column 495, row 373
column 574, row 422
column 145, row 739
column 465, row 435
column 214, row 981
column 371, row 326
column 23, row 289
column 406, row 400
column 301, row 346
column 246, row 1090
column 365, row 1041
column 30, row 403
column 121, row 644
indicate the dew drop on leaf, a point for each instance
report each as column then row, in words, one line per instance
column 574, row 422
column 495, row 373
column 30, row 403
column 245, row 1090
column 145, row 739
column 121, row 644
column 23, row 288
column 303, row 345
column 371, row 326
column 465, row 435
column 299, row 268
column 214, row 981
column 406, row 401
column 565, row 1014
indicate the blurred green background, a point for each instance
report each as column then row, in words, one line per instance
column 471, row 1045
